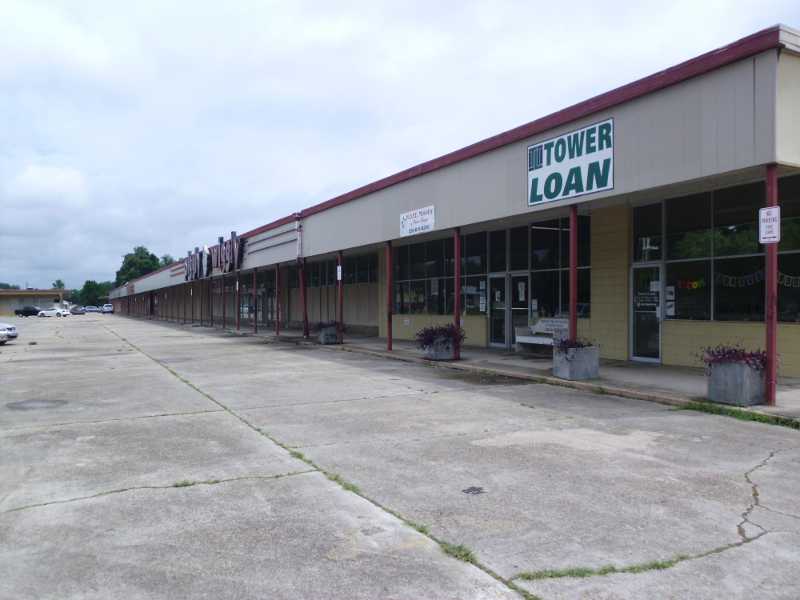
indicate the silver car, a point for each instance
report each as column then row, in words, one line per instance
column 7, row 333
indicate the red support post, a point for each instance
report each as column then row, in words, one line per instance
column 573, row 272
column 340, row 296
column 389, row 285
column 254, row 300
column 191, row 299
column 277, row 300
column 238, row 303
column 457, row 288
column 224, row 298
column 301, row 263
column 183, row 305
column 771, row 281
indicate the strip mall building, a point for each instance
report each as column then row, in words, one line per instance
column 653, row 189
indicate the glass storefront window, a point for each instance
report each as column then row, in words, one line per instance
column 736, row 219
column 789, row 198
column 584, row 292
column 474, row 295
column 497, row 251
column 545, row 289
column 739, row 289
column 518, row 249
column 689, row 227
column 473, row 248
column 544, row 245
column 687, row 294
column 647, row 233
column 789, row 287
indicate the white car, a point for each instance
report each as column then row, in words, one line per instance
column 7, row 333
column 53, row 312
column 107, row 308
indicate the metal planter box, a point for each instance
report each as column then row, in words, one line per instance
column 736, row 383
column 328, row 335
column 442, row 349
column 577, row 363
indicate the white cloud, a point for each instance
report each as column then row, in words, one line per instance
column 49, row 185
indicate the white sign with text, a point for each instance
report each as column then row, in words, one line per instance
column 417, row 221
column 769, row 225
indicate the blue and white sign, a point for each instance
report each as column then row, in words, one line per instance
column 572, row 164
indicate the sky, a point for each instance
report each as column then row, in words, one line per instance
column 167, row 124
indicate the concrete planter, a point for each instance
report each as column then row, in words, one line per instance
column 328, row 335
column 735, row 383
column 442, row 349
column 577, row 363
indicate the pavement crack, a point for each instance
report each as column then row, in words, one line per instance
column 756, row 498
column 178, row 484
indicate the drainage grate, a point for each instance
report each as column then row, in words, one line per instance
column 35, row 404
column 474, row 490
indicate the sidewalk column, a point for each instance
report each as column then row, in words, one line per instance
column 457, row 287
column 771, row 281
column 340, row 296
column 254, row 301
column 238, row 303
column 301, row 264
column 183, row 304
column 573, row 272
column 191, row 299
column 389, row 285
column 277, row 300
column 224, row 302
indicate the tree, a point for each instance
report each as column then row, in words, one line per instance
column 8, row 286
column 167, row 260
column 135, row 264
column 93, row 292
column 58, row 284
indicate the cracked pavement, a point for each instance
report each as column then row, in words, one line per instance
column 146, row 460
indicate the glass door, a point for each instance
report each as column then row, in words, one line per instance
column 519, row 303
column 497, row 311
column 646, row 313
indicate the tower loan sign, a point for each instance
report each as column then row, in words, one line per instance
column 572, row 164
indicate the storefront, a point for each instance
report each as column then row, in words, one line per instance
column 631, row 217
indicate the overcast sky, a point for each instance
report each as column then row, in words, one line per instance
column 168, row 123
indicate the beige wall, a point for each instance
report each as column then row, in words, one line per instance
column 683, row 340
column 611, row 243
column 788, row 109
column 720, row 122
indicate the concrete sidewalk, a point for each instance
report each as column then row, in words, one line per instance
column 659, row 383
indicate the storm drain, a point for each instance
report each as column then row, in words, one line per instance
column 35, row 404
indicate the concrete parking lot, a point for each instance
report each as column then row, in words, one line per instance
column 146, row 460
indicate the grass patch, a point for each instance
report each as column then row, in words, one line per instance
column 350, row 487
column 458, row 551
column 183, row 483
column 297, row 455
column 579, row 572
column 423, row 529
column 742, row 415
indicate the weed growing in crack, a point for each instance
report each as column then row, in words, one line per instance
column 183, row 483
column 350, row 487
column 297, row 455
column 653, row 565
column 458, row 551
column 423, row 529
column 743, row 415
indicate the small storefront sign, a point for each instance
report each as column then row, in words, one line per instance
column 417, row 221
column 572, row 164
column 769, row 225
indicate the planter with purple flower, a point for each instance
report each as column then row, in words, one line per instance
column 439, row 342
column 576, row 359
column 735, row 375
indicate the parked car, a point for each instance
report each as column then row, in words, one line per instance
column 108, row 308
column 27, row 311
column 89, row 309
column 54, row 312
column 8, row 332
column 77, row 310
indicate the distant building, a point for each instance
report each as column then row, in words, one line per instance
column 13, row 299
